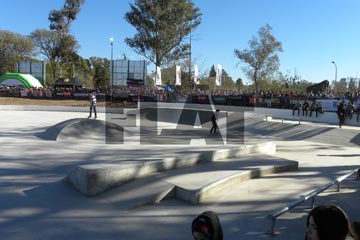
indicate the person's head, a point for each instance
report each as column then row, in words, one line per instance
column 356, row 228
column 328, row 222
column 207, row 226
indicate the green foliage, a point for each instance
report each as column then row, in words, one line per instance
column 64, row 47
column 212, row 72
column 239, row 84
column 227, row 82
column 48, row 44
column 261, row 57
column 60, row 20
column 161, row 27
column 14, row 48
column 340, row 86
column 168, row 76
column 101, row 73
column 68, row 49
column 210, row 81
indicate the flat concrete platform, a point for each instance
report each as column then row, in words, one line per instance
column 35, row 202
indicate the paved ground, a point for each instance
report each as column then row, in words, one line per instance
column 36, row 204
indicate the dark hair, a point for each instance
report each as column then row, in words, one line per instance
column 356, row 229
column 208, row 224
column 331, row 221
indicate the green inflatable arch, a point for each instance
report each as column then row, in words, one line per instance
column 26, row 79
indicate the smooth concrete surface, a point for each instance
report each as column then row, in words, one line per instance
column 96, row 178
column 35, row 202
column 209, row 183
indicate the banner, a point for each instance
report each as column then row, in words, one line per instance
column 218, row 99
column 158, row 76
column 178, row 76
column 218, row 75
column 196, row 75
column 330, row 105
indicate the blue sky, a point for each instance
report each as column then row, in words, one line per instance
column 313, row 32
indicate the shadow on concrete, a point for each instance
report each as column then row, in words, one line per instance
column 80, row 128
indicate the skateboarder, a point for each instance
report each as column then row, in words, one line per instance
column 93, row 104
column 214, row 121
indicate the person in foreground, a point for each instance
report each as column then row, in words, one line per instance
column 329, row 222
column 207, row 226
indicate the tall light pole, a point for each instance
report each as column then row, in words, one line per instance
column 112, row 67
column 335, row 70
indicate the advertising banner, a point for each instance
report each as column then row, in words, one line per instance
column 178, row 76
column 218, row 75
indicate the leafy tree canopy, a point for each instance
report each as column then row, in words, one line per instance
column 261, row 57
column 14, row 48
column 162, row 26
column 61, row 19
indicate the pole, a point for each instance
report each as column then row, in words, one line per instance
column 112, row 68
column 191, row 82
column 335, row 70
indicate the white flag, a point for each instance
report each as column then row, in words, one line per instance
column 218, row 75
column 178, row 76
column 196, row 75
column 158, row 76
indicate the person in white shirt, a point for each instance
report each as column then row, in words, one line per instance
column 93, row 104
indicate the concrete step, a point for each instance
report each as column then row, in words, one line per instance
column 95, row 179
column 206, row 180
column 196, row 184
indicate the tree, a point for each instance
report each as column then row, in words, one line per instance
column 49, row 45
column 227, row 81
column 212, row 72
column 68, row 51
column 162, row 26
column 352, row 85
column 60, row 22
column 168, row 75
column 239, row 83
column 101, row 70
column 14, row 48
column 61, row 19
column 261, row 57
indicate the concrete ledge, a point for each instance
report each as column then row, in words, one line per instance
column 200, row 195
column 94, row 179
column 286, row 114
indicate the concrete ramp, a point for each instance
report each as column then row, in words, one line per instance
column 203, row 183
column 95, row 179
column 80, row 128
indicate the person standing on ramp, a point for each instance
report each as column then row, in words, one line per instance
column 214, row 121
column 93, row 104
column 341, row 113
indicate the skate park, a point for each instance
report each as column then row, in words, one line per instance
column 61, row 180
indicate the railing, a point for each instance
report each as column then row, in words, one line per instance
column 273, row 216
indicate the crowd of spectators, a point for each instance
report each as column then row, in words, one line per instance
column 262, row 98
